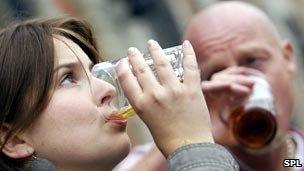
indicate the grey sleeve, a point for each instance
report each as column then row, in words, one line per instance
column 201, row 157
column 41, row 164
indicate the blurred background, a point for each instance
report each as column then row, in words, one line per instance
column 119, row 24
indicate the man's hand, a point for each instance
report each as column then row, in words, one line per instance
column 227, row 89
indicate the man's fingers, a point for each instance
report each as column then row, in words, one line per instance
column 218, row 89
column 239, row 79
column 237, row 70
column 240, row 90
column 213, row 87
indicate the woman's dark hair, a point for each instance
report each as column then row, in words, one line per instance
column 26, row 72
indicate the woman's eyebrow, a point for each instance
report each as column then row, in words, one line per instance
column 73, row 65
column 67, row 65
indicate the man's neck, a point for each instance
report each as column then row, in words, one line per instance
column 268, row 161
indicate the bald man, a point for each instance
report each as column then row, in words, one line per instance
column 230, row 39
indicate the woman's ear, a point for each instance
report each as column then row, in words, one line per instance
column 16, row 146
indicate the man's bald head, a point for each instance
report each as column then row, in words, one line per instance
column 231, row 16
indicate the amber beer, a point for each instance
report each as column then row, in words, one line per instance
column 253, row 123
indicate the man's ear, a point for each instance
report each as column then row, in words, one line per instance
column 16, row 146
column 288, row 54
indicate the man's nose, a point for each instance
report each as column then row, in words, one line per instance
column 102, row 91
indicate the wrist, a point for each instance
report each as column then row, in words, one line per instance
column 168, row 147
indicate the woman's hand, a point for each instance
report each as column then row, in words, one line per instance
column 174, row 112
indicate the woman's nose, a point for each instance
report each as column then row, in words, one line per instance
column 103, row 92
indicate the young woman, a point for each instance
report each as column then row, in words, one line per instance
column 52, row 107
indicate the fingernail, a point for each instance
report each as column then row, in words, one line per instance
column 152, row 42
column 187, row 44
column 132, row 51
column 121, row 62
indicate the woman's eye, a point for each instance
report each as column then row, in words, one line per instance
column 68, row 80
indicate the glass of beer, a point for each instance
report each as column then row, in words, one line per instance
column 253, row 123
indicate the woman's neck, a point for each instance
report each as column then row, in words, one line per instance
column 99, row 168
column 85, row 167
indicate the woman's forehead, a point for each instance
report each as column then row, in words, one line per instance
column 66, row 51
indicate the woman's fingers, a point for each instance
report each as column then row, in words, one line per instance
column 191, row 71
column 128, row 81
column 159, row 106
column 143, row 73
column 164, row 70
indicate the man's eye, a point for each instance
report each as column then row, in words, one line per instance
column 68, row 80
column 250, row 62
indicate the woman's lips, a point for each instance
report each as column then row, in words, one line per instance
column 118, row 122
column 113, row 118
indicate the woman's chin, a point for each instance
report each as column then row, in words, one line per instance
column 121, row 151
column 112, row 153
column 125, row 147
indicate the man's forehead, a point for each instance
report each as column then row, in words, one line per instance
column 225, row 41
column 224, row 26
column 233, row 9
column 236, row 49
column 236, row 38
column 229, row 17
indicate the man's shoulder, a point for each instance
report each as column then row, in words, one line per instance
column 297, row 136
column 297, row 130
